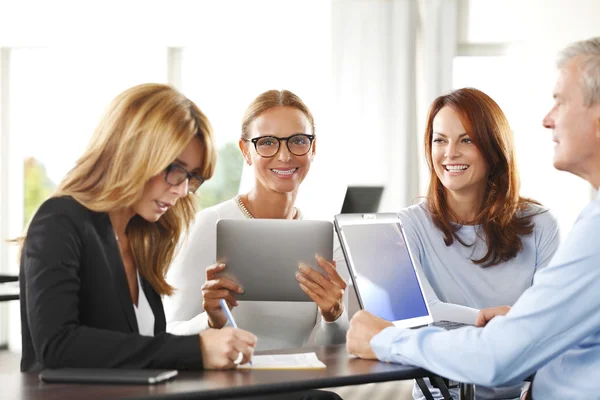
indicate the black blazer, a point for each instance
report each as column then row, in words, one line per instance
column 76, row 310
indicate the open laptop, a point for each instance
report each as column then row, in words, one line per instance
column 382, row 269
column 262, row 255
column 362, row 199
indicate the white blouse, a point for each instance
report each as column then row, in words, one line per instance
column 143, row 312
column 276, row 324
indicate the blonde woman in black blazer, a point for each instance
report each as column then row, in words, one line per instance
column 100, row 247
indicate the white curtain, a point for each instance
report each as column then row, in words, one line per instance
column 374, row 50
column 389, row 60
column 438, row 38
column 437, row 45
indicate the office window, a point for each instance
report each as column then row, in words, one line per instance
column 57, row 97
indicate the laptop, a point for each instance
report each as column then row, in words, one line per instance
column 382, row 269
column 262, row 255
column 362, row 199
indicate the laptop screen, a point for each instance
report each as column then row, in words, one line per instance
column 362, row 199
column 385, row 278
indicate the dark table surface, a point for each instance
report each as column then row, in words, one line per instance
column 342, row 370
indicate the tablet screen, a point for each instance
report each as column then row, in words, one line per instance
column 386, row 281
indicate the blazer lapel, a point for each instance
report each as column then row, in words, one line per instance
column 156, row 305
column 117, row 270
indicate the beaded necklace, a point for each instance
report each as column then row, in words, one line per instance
column 247, row 214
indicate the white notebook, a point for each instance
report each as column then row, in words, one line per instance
column 285, row 361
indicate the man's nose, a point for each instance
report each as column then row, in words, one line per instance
column 548, row 121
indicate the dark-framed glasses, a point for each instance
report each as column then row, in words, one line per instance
column 268, row 146
column 175, row 175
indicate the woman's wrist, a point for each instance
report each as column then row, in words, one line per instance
column 215, row 323
column 333, row 314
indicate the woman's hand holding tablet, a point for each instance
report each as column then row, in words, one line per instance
column 325, row 290
column 213, row 290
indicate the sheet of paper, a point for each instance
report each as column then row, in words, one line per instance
column 285, row 361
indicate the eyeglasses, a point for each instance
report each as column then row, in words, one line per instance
column 176, row 174
column 268, row 146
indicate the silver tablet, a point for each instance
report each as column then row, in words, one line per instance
column 262, row 255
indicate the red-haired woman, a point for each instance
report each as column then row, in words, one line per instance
column 478, row 242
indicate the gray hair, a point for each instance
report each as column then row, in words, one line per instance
column 589, row 53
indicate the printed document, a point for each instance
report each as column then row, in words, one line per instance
column 285, row 361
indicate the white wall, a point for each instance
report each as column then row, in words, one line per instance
column 531, row 32
column 156, row 22
column 539, row 22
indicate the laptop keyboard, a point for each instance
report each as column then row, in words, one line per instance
column 449, row 325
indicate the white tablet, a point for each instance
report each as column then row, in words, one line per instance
column 382, row 269
column 262, row 255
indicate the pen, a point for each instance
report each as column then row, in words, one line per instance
column 232, row 323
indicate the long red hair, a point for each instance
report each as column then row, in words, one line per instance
column 502, row 215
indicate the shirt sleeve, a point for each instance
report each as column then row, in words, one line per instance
column 183, row 309
column 556, row 313
column 439, row 310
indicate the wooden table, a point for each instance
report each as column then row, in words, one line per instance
column 342, row 370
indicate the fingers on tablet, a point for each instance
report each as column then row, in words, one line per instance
column 330, row 268
column 212, row 270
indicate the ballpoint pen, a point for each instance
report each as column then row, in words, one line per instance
column 232, row 323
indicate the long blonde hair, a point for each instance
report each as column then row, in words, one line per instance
column 144, row 130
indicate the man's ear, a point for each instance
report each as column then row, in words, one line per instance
column 243, row 145
column 596, row 113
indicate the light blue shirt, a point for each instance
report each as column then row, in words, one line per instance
column 456, row 288
column 554, row 329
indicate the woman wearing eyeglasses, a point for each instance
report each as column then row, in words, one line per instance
column 278, row 140
column 94, row 257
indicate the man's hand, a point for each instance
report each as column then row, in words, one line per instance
column 487, row 314
column 363, row 327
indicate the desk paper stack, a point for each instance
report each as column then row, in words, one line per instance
column 285, row 361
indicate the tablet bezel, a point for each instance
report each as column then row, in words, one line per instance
column 341, row 220
column 292, row 240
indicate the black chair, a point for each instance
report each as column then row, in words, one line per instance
column 8, row 292
column 8, row 278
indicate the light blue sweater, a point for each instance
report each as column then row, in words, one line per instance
column 456, row 288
